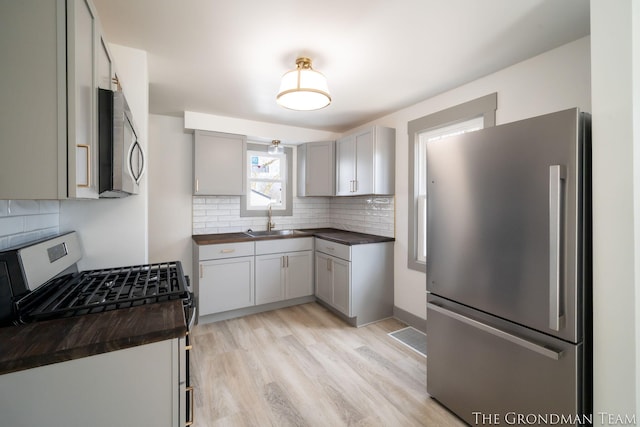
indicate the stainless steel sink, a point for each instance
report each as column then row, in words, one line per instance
column 272, row 233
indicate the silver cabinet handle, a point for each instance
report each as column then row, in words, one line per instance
column 556, row 177
column 197, row 185
column 227, row 251
column 201, row 271
column 547, row 352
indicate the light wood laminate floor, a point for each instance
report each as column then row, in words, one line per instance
column 303, row 366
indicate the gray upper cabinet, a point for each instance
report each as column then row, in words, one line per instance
column 48, row 125
column 219, row 166
column 365, row 162
column 106, row 69
column 316, row 169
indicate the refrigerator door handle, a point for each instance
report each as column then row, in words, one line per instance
column 547, row 352
column 556, row 177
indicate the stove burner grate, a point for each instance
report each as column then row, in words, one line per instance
column 95, row 291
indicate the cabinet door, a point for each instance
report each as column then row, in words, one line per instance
column 82, row 100
column 270, row 277
column 345, row 166
column 225, row 284
column 364, row 163
column 299, row 281
column 131, row 380
column 105, row 66
column 31, row 132
column 341, row 277
column 324, row 286
column 219, row 164
column 320, row 169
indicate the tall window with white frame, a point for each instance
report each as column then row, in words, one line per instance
column 267, row 181
column 467, row 117
column 425, row 137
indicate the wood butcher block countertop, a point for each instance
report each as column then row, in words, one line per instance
column 332, row 234
column 52, row 341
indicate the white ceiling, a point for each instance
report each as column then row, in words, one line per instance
column 226, row 57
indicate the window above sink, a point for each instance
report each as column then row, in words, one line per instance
column 269, row 182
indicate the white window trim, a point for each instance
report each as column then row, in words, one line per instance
column 244, row 212
column 484, row 107
column 283, row 181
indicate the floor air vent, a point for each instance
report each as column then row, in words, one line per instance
column 412, row 338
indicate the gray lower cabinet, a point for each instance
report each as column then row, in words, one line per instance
column 247, row 277
column 284, row 269
column 356, row 280
column 225, row 277
column 122, row 387
column 333, row 282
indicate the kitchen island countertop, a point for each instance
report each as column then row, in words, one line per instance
column 52, row 341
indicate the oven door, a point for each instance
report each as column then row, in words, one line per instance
column 187, row 389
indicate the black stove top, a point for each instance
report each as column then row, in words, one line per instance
column 96, row 291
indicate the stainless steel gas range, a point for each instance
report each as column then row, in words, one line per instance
column 40, row 281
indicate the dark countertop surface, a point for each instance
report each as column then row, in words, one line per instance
column 52, row 341
column 333, row 234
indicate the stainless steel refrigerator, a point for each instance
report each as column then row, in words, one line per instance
column 509, row 272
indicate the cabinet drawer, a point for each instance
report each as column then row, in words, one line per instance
column 284, row 245
column 332, row 248
column 226, row 250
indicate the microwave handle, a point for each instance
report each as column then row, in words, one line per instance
column 136, row 172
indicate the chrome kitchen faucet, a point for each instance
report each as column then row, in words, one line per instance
column 270, row 225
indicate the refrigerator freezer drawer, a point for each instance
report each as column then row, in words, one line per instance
column 479, row 366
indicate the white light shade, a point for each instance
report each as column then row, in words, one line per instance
column 275, row 147
column 304, row 88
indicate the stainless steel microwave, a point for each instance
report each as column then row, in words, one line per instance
column 121, row 157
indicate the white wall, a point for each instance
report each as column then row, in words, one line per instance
column 553, row 81
column 170, row 186
column 615, row 63
column 255, row 130
column 114, row 231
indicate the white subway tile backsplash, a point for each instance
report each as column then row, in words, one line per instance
column 373, row 215
column 39, row 222
column 11, row 225
column 49, row 206
column 22, row 221
column 23, row 207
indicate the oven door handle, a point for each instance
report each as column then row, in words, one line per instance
column 190, row 416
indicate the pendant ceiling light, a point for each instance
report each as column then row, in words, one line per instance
column 304, row 88
column 275, row 147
